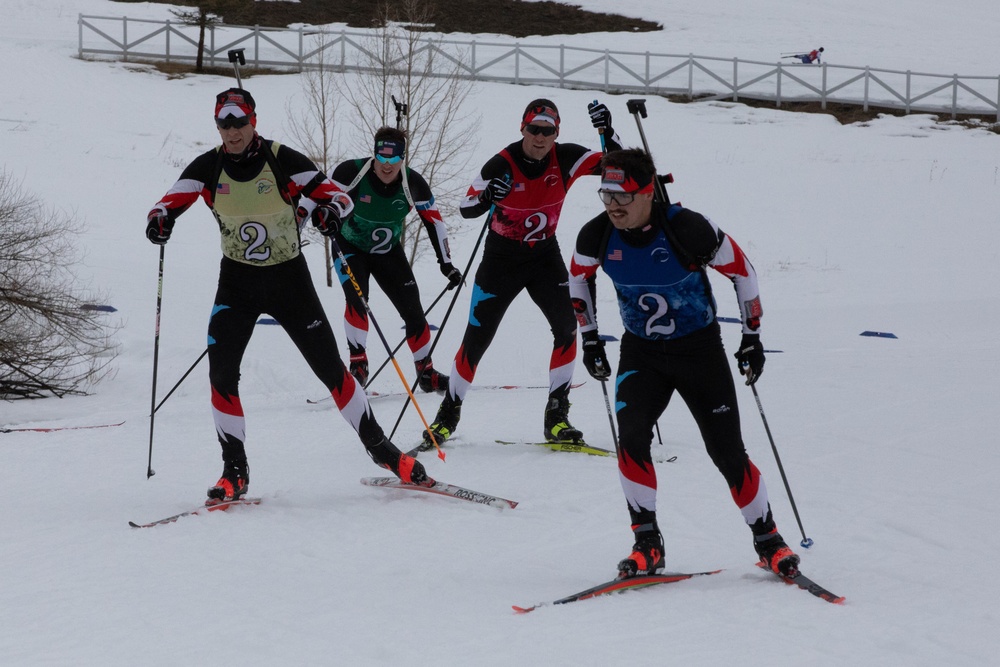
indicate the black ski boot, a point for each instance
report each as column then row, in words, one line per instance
column 359, row 365
column 557, row 426
column 647, row 554
column 233, row 484
column 445, row 422
column 775, row 554
column 429, row 378
column 405, row 467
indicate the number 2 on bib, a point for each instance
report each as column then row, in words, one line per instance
column 657, row 322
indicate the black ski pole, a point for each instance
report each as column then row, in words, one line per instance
column 444, row 321
column 806, row 541
column 604, row 383
column 468, row 267
column 402, row 110
column 237, row 59
column 400, row 344
column 156, row 360
column 638, row 109
column 371, row 317
column 183, row 377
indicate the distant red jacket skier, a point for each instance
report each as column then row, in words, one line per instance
column 811, row 57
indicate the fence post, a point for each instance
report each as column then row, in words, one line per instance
column 168, row 41
column 736, row 79
column 343, row 50
column 822, row 104
column 302, row 55
column 777, row 90
column 125, row 38
column 256, row 47
column 562, row 65
column 690, row 76
column 906, row 106
column 517, row 63
column 646, row 80
column 79, row 31
column 867, row 74
column 211, row 42
column 607, row 70
column 954, row 97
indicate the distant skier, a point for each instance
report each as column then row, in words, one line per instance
column 808, row 58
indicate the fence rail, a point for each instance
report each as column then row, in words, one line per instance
column 554, row 65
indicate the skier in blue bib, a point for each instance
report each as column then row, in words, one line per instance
column 656, row 254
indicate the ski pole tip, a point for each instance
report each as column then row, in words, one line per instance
column 806, row 542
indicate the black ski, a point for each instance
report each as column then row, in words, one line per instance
column 619, row 586
column 215, row 506
column 806, row 584
column 50, row 429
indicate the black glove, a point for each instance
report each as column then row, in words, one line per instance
column 600, row 116
column 495, row 190
column 594, row 359
column 453, row 275
column 326, row 219
column 158, row 227
column 750, row 357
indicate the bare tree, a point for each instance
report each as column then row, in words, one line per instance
column 203, row 18
column 206, row 14
column 409, row 65
column 312, row 126
column 53, row 341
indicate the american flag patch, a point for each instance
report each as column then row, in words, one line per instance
column 365, row 199
column 222, row 188
column 615, row 256
column 519, row 187
column 385, row 150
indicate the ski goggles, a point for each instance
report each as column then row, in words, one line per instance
column 620, row 198
column 621, row 188
column 540, row 114
column 389, row 151
column 544, row 130
column 232, row 121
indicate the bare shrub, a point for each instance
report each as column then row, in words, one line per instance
column 53, row 341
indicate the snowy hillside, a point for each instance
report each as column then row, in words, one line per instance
column 889, row 444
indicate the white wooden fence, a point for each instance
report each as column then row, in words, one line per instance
column 555, row 65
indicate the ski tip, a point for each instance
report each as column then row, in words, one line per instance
column 134, row 524
column 523, row 610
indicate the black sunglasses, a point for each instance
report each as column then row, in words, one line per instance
column 232, row 121
column 544, row 130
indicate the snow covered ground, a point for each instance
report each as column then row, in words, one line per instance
column 888, row 444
